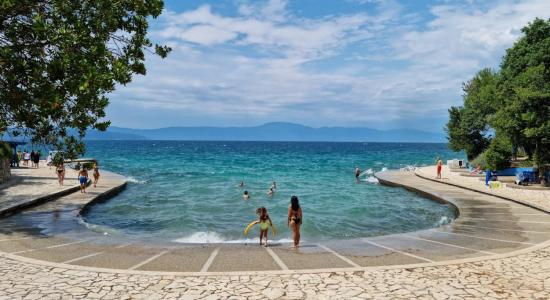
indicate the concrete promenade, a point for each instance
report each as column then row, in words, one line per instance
column 495, row 249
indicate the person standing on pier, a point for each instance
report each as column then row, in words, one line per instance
column 439, row 167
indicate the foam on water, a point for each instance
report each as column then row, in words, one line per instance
column 135, row 180
column 444, row 220
column 371, row 179
column 216, row 238
column 105, row 230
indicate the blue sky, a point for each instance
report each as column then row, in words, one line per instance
column 381, row 64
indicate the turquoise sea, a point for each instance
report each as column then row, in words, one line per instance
column 188, row 191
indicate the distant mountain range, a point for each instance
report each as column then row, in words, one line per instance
column 269, row 132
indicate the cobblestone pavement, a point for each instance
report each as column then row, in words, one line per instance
column 525, row 276
column 535, row 198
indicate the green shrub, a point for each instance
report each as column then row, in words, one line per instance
column 525, row 163
column 58, row 159
column 480, row 161
column 499, row 154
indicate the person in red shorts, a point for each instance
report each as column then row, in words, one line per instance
column 439, row 166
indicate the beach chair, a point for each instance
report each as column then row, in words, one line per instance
column 475, row 171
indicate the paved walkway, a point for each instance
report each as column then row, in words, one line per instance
column 28, row 185
column 495, row 249
column 535, row 198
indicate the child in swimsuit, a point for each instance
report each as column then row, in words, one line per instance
column 265, row 223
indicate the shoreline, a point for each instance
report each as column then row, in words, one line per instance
column 342, row 255
column 76, row 268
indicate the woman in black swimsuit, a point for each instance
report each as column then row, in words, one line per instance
column 295, row 219
column 60, row 170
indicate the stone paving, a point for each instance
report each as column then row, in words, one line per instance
column 535, row 198
column 28, row 184
column 523, row 273
column 525, row 276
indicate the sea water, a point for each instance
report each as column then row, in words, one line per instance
column 188, row 191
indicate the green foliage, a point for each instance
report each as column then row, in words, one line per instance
column 525, row 163
column 498, row 155
column 58, row 159
column 513, row 103
column 5, row 150
column 60, row 58
column 525, row 84
column 468, row 127
column 480, row 161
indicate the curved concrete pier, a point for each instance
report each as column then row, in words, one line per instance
column 487, row 227
column 495, row 249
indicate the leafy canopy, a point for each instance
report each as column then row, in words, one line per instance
column 512, row 104
column 468, row 127
column 59, row 59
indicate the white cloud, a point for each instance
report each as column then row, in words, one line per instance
column 268, row 64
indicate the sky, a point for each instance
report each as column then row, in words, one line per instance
column 362, row 63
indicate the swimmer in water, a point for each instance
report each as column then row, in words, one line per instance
column 270, row 192
column 241, row 184
column 265, row 221
column 357, row 173
column 246, row 196
column 274, row 185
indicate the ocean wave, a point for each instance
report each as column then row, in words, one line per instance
column 135, row 180
column 384, row 169
column 202, row 237
column 371, row 179
column 367, row 172
column 442, row 221
column 105, row 230
column 408, row 168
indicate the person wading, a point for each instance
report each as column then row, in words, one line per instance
column 295, row 219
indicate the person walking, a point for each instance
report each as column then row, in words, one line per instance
column 96, row 174
column 37, row 158
column 31, row 156
column 83, row 179
column 60, row 170
column 295, row 218
column 26, row 158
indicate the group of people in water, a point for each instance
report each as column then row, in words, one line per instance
column 270, row 192
column 294, row 218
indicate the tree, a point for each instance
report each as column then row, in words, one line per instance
column 468, row 127
column 59, row 59
column 499, row 153
column 525, row 85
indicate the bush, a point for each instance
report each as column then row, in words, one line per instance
column 58, row 159
column 479, row 161
column 499, row 154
